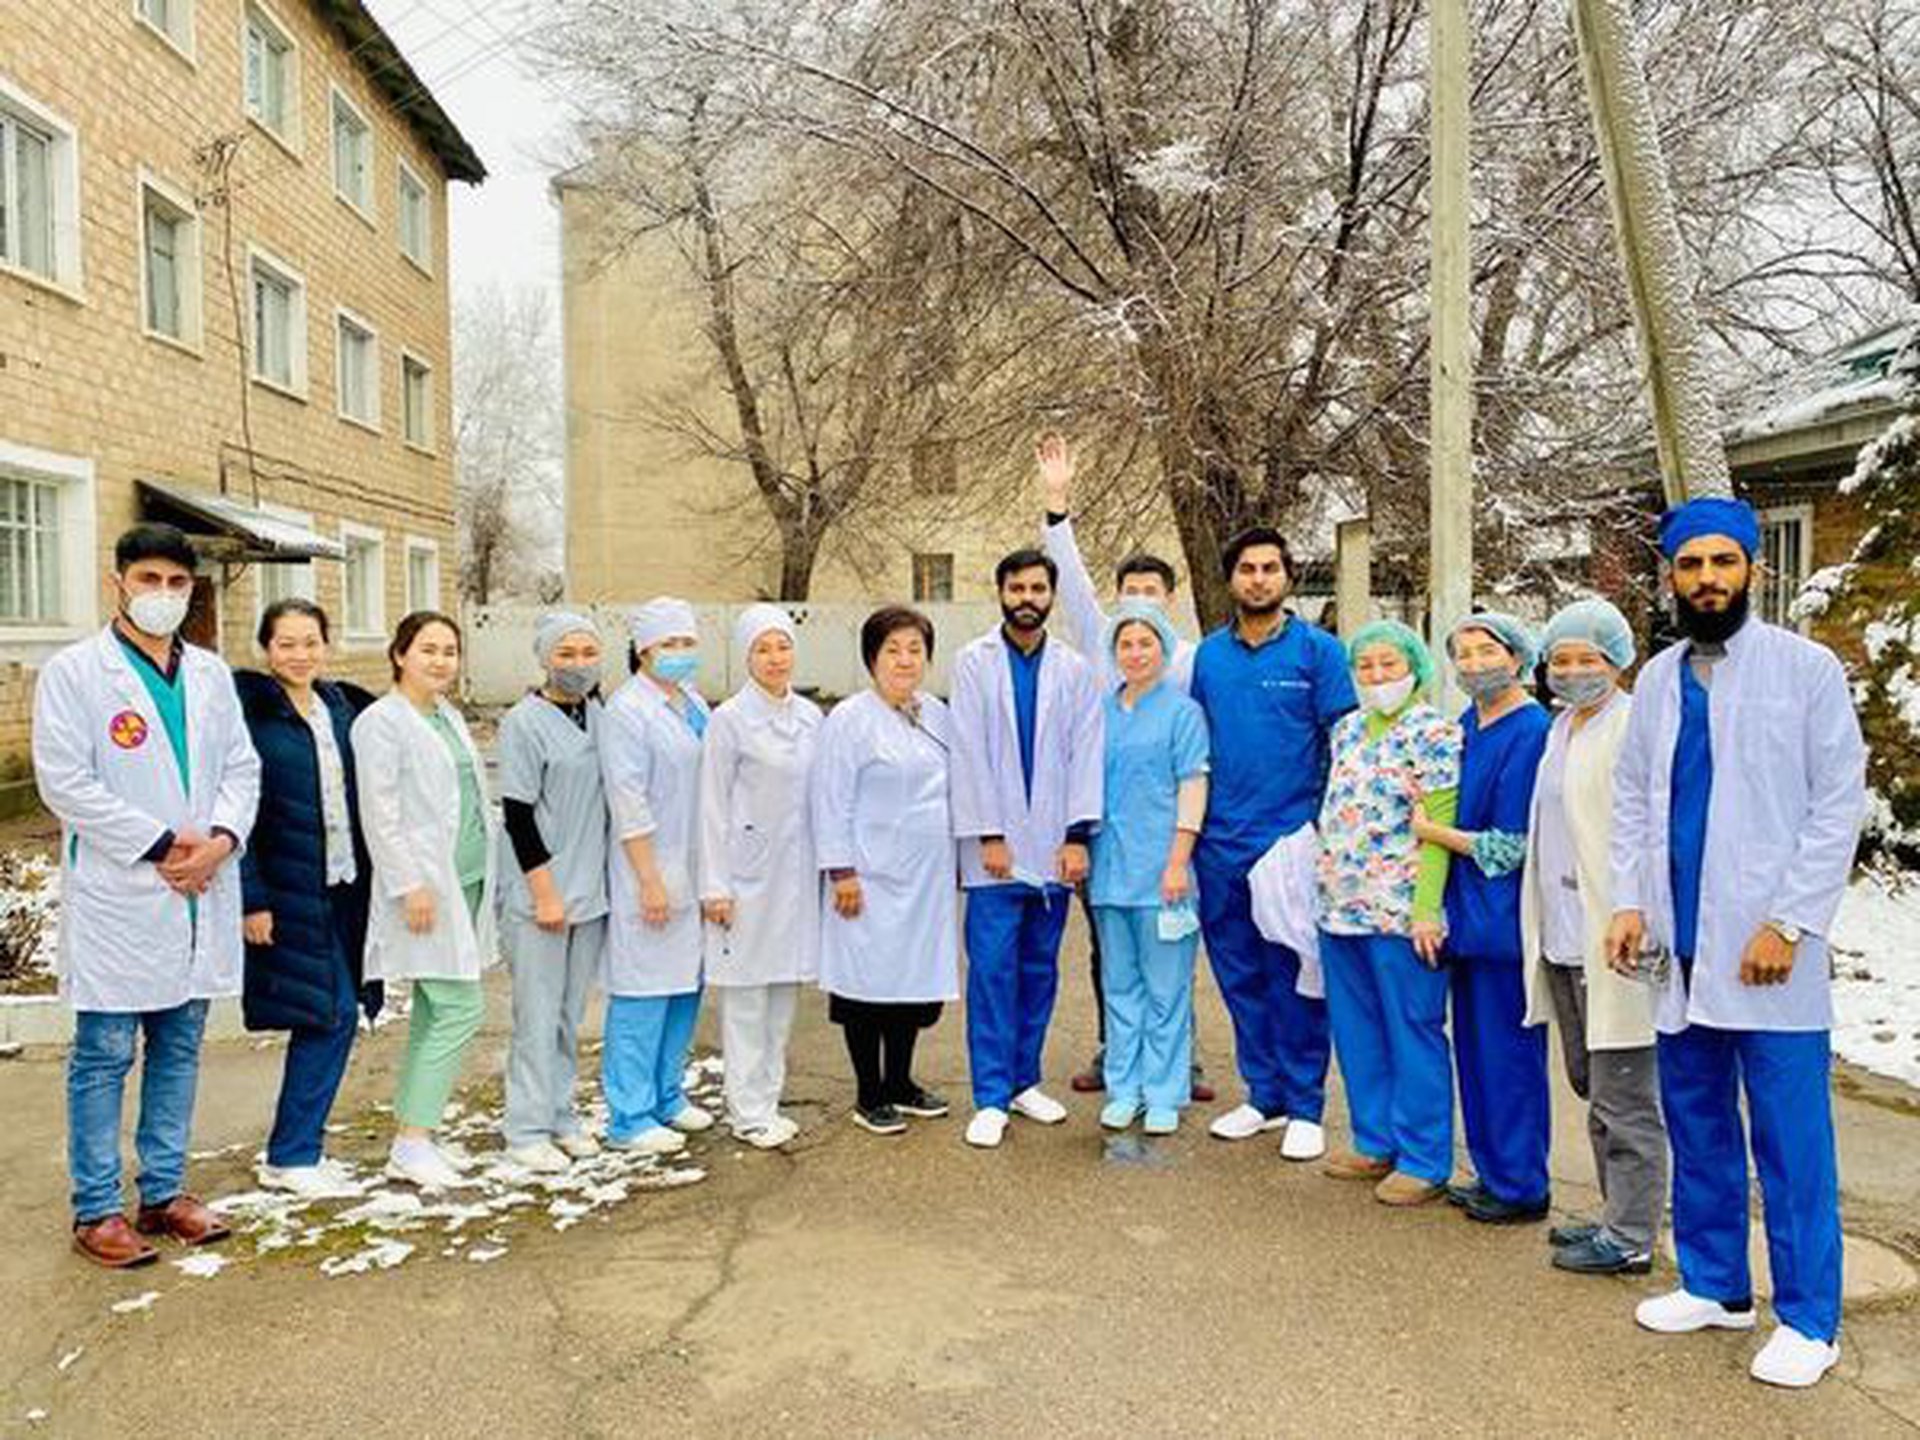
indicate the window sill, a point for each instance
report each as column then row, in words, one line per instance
column 372, row 427
column 417, row 263
column 365, row 215
column 284, row 391
column 185, row 347
column 290, row 144
column 71, row 294
column 180, row 52
column 364, row 639
column 417, row 448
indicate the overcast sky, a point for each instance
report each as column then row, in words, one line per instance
column 465, row 52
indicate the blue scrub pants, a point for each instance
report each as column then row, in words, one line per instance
column 1503, row 1079
column 1389, row 1016
column 643, row 1060
column 1790, row 1108
column 1013, row 972
column 1280, row 1040
column 1148, row 1002
column 104, row 1043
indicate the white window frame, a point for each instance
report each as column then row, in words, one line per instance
column 179, row 39
column 342, row 319
column 79, row 563
column 290, row 138
column 338, row 100
column 1789, row 585
column 425, row 444
column 420, row 545
column 295, row 387
column 305, row 578
column 63, row 191
column 423, row 262
column 375, row 632
column 189, row 264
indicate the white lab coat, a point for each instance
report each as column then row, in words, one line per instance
column 650, row 759
column 1087, row 622
column 756, row 845
column 1284, row 888
column 1619, row 1010
column 989, row 787
column 410, row 814
column 1789, row 795
column 104, row 765
column 879, row 808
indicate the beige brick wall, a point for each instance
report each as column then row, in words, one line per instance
column 79, row 377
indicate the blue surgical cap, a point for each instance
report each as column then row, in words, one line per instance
column 1710, row 515
column 1510, row 630
column 1599, row 624
column 1148, row 614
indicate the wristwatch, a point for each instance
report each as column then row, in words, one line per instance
column 1789, row 933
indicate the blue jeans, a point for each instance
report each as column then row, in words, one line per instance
column 643, row 1060
column 1013, row 973
column 316, row 1063
column 97, row 1067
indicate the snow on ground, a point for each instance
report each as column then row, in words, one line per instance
column 1876, row 991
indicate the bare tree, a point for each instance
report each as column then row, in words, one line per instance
column 506, row 413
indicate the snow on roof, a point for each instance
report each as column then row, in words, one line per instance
column 1858, row 376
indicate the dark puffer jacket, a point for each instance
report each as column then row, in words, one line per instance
column 290, row 984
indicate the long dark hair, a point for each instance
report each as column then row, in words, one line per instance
column 408, row 631
column 279, row 610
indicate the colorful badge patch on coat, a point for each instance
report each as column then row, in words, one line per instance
column 128, row 730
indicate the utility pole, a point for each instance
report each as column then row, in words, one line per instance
column 1450, row 563
column 1686, row 419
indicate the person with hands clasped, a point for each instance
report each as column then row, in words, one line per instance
column 1737, row 803
column 1381, row 895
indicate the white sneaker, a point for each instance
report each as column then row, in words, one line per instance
column 310, row 1182
column 341, row 1171
column 1243, row 1122
column 1036, row 1104
column 770, row 1136
column 542, row 1157
column 1304, row 1140
column 424, row 1166
column 1678, row 1313
column 455, row 1155
column 658, row 1140
column 987, row 1128
column 692, row 1120
column 1791, row 1359
column 579, row 1145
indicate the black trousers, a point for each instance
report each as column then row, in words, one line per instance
column 880, row 1041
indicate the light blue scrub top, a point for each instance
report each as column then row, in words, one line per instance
column 1149, row 751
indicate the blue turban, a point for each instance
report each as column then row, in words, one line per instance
column 1145, row 613
column 1710, row 516
column 1403, row 638
column 1510, row 630
column 1599, row 624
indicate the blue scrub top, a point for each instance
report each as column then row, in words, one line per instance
column 1269, row 712
column 1149, row 751
column 1692, row 783
column 1025, row 671
column 1498, row 765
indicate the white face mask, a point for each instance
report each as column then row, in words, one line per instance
column 1386, row 699
column 158, row 612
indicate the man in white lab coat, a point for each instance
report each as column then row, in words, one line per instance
column 1738, row 799
column 1026, row 774
column 141, row 749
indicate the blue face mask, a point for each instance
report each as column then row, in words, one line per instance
column 676, row 667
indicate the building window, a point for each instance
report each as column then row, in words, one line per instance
column 272, row 75
column 283, row 581
column 357, row 370
column 416, row 402
column 1786, row 559
column 932, row 579
column 172, row 20
column 936, row 467
column 363, row 603
column 30, row 573
column 279, row 326
column 423, row 575
column 352, row 155
column 39, row 191
column 169, row 264
column 416, row 219
column 49, row 574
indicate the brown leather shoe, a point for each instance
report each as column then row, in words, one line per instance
column 1404, row 1191
column 112, row 1243
column 1352, row 1165
column 185, row 1219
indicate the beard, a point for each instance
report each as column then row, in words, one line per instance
column 1260, row 608
column 1712, row 627
column 1025, row 618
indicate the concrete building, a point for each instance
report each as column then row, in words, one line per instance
column 223, row 302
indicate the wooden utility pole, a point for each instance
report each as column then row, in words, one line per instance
column 1450, row 564
column 1686, row 419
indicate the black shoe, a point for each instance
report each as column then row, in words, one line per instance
column 1461, row 1196
column 880, row 1119
column 1561, row 1236
column 1489, row 1209
column 1602, row 1255
column 922, row 1104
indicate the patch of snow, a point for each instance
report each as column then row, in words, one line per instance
column 144, row 1300
column 1177, row 170
column 381, row 1255
column 66, row 1361
column 1817, row 593
column 202, row 1264
column 1876, row 991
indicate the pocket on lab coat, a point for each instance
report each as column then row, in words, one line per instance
column 749, row 852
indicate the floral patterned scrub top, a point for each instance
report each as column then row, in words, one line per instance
column 1369, row 860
